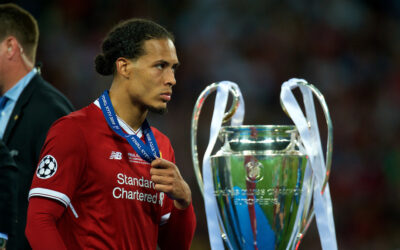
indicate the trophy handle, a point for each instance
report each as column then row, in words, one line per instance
column 329, row 147
column 329, row 144
column 195, row 119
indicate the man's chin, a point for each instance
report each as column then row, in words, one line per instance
column 159, row 111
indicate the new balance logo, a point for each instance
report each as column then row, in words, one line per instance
column 115, row 155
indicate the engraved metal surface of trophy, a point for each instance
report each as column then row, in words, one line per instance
column 258, row 179
column 263, row 196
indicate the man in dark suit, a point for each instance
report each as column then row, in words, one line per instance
column 8, row 187
column 28, row 107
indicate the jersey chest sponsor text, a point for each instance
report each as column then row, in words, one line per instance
column 144, row 193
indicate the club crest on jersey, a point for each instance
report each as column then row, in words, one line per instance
column 47, row 167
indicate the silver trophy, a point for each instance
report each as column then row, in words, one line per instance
column 262, row 191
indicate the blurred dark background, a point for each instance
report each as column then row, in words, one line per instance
column 349, row 49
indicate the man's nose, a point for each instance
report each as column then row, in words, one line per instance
column 170, row 77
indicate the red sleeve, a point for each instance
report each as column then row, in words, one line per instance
column 41, row 229
column 181, row 223
column 63, row 159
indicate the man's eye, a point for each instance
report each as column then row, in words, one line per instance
column 161, row 65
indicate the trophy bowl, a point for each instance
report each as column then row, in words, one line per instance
column 258, row 177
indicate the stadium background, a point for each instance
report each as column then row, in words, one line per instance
column 349, row 49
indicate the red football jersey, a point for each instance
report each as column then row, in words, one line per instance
column 111, row 200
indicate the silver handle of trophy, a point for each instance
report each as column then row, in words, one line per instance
column 329, row 146
column 195, row 119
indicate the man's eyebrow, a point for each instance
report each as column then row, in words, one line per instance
column 175, row 65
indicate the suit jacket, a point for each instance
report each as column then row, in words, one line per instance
column 8, row 189
column 38, row 106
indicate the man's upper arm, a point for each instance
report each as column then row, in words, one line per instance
column 62, row 160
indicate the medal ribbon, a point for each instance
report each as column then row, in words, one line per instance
column 148, row 151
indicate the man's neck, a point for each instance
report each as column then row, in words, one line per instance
column 133, row 115
column 13, row 76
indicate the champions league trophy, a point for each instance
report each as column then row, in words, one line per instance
column 266, row 183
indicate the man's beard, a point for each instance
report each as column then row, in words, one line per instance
column 159, row 111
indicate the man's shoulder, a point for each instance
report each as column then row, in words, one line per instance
column 70, row 129
column 38, row 106
column 78, row 126
column 44, row 92
column 80, row 116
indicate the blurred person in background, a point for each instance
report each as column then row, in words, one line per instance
column 106, row 179
column 28, row 107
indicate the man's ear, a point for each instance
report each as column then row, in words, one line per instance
column 122, row 67
column 12, row 46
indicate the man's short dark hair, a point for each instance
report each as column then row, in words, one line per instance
column 17, row 22
column 126, row 40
